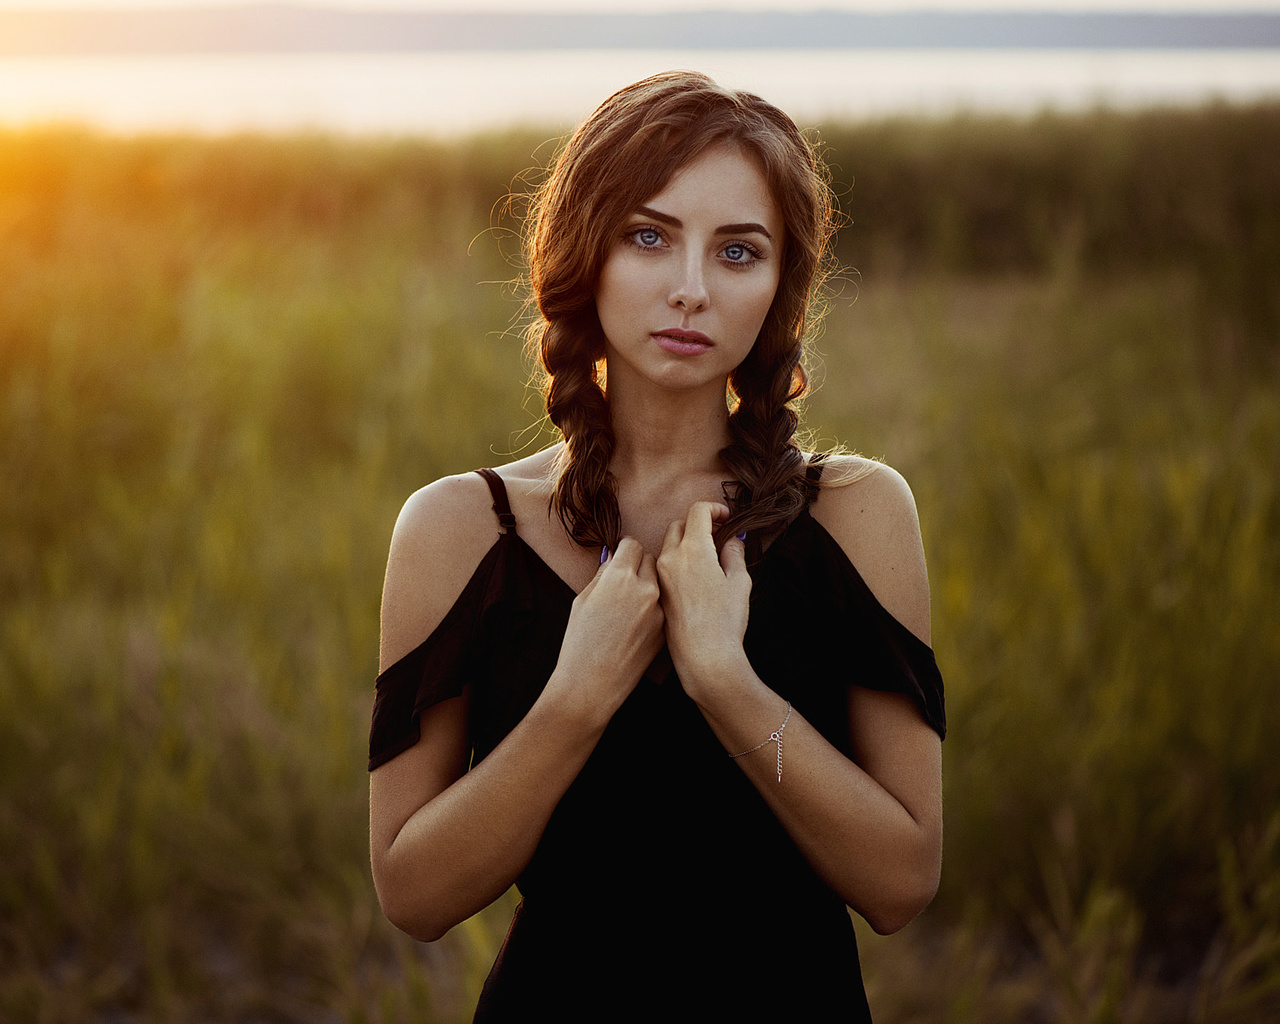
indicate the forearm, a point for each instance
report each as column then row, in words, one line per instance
column 465, row 847
column 859, row 838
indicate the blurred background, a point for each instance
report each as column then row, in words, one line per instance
column 260, row 280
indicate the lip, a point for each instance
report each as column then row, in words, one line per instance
column 682, row 342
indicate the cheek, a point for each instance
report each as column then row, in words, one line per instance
column 756, row 301
column 605, row 295
column 616, row 301
column 616, row 286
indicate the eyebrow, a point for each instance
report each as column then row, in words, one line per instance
column 723, row 229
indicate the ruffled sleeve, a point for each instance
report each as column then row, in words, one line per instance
column 902, row 663
column 849, row 636
column 434, row 671
column 886, row 655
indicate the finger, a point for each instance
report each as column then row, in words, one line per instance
column 674, row 535
column 733, row 557
column 648, row 569
column 591, row 584
column 628, row 554
column 702, row 514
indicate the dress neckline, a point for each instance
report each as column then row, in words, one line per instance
column 805, row 517
column 507, row 520
column 568, row 590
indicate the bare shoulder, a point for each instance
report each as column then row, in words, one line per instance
column 441, row 536
column 870, row 511
column 533, row 475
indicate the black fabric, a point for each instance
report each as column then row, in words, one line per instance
column 663, row 883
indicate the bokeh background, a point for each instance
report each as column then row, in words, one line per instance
column 226, row 358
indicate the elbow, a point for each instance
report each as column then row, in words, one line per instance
column 414, row 921
column 422, row 932
column 891, row 916
column 406, row 905
column 901, row 896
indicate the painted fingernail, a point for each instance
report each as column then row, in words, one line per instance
column 604, row 553
column 743, row 536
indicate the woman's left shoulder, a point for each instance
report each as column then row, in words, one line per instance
column 869, row 510
column 852, row 485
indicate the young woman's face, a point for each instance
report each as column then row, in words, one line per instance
column 688, row 281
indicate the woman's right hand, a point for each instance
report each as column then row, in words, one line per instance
column 615, row 630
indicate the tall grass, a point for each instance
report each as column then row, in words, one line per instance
column 224, row 364
column 1162, row 189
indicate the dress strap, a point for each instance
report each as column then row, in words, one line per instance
column 812, row 474
column 500, row 503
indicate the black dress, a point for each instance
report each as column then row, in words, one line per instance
column 663, row 886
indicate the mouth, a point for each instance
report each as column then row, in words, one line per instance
column 682, row 342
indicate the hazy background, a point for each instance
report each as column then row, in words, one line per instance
column 368, row 68
column 227, row 356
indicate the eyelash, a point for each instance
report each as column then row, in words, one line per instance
column 630, row 238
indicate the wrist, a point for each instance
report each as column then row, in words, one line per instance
column 569, row 705
column 572, row 702
column 714, row 676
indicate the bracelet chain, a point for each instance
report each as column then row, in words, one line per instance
column 774, row 737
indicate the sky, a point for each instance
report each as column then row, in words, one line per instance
column 384, row 93
column 606, row 6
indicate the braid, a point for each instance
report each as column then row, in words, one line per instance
column 762, row 454
column 586, row 496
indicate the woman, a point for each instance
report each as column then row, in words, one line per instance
column 663, row 701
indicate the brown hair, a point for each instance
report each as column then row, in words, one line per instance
column 623, row 154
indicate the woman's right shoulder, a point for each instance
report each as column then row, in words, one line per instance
column 442, row 534
column 451, row 505
column 454, row 508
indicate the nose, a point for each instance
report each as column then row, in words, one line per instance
column 689, row 290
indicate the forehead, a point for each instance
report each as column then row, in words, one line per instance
column 724, row 184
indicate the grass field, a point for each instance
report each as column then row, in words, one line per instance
column 225, row 363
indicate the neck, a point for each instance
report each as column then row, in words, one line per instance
column 667, row 434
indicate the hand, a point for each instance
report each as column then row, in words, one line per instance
column 705, row 598
column 614, row 632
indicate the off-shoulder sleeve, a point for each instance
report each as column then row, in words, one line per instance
column 809, row 580
column 900, row 662
column 885, row 655
column 434, row 671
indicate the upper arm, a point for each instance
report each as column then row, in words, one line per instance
column 874, row 520
column 442, row 534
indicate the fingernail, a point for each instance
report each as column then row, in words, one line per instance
column 743, row 536
column 604, row 553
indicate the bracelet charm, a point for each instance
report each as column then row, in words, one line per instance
column 774, row 737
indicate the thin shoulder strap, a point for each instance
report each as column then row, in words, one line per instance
column 812, row 474
column 500, row 503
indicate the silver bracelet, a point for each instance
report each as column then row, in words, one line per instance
column 774, row 737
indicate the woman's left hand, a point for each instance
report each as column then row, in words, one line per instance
column 704, row 599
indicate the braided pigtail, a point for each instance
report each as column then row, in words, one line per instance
column 762, row 455
column 586, row 496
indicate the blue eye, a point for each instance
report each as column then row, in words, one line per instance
column 741, row 254
column 648, row 237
